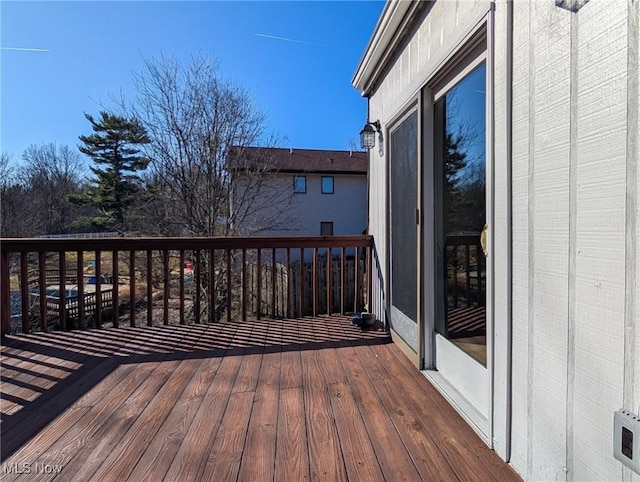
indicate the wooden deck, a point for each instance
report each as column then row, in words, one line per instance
column 309, row 399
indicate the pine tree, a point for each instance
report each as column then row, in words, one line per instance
column 113, row 146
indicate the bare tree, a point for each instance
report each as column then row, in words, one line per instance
column 200, row 183
column 13, row 212
column 194, row 118
column 51, row 174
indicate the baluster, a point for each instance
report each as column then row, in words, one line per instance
column 369, row 266
column 132, row 288
column 165, row 276
column 62, row 294
column 43, row 291
column 301, row 283
column 274, row 283
column 24, row 292
column 181, row 295
column 149, row 287
column 289, row 287
column 329, row 283
column 259, row 283
column 244, row 284
column 314, row 282
column 98, row 300
column 343, row 260
column 198, row 282
column 356, row 280
column 80, row 285
column 212, row 286
column 228, row 285
column 115, row 294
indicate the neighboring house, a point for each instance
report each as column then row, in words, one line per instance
column 321, row 192
column 521, row 117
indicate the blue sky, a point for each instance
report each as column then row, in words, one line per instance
column 93, row 48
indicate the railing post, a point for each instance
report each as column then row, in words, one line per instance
column 6, row 295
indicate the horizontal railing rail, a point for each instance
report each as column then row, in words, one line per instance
column 73, row 283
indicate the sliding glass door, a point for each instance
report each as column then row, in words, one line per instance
column 460, row 176
column 403, row 167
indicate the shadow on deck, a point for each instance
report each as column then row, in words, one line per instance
column 293, row 399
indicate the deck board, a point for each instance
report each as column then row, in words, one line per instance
column 309, row 399
column 263, row 424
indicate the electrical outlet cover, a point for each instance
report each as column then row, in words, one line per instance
column 626, row 438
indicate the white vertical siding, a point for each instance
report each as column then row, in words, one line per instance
column 632, row 367
column 520, row 238
column 377, row 226
column 549, row 151
column 600, row 236
column 569, row 187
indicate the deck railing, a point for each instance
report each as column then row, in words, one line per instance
column 66, row 284
column 466, row 267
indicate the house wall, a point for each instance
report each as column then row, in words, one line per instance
column 346, row 207
column 575, row 205
column 440, row 28
column 571, row 220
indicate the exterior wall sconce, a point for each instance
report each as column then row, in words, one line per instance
column 368, row 135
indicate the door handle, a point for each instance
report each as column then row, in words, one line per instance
column 483, row 240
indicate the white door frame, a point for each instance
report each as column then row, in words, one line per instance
column 478, row 48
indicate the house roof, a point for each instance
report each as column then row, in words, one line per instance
column 299, row 160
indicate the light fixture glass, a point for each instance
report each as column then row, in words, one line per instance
column 367, row 137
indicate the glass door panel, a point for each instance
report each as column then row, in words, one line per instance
column 460, row 144
column 403, row 186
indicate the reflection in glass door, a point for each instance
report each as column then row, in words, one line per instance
column 460, row 126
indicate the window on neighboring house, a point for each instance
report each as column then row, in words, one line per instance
column 327, row 185
column 299, row 184
column 326, row 228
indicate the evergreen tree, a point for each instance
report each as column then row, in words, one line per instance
column 455, row 162
column 113, row 146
